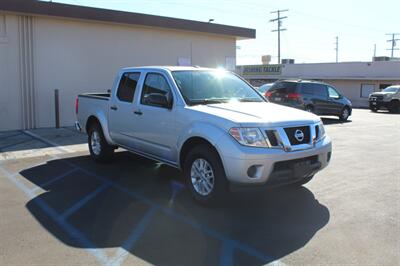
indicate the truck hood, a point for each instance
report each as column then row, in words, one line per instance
column 381, row 93
column 258, row 113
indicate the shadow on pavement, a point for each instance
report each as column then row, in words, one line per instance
column 331, row 121
column 273, row 222
column 19, row 140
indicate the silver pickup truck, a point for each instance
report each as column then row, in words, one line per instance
column 209, row 123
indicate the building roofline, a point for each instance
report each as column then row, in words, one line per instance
column 35, row 7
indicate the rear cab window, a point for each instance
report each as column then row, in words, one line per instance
column 127, row 86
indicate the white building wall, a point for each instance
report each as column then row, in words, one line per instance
column 10, row 98
column 77, row 56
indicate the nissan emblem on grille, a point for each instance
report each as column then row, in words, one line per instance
column 299, row 135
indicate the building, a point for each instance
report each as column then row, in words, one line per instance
column 46, row 46
column 356, row 80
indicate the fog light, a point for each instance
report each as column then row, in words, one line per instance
column 253, row 170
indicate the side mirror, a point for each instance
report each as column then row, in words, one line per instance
column 157, row 99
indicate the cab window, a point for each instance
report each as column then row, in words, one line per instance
column 127, row 86
column 154, row 83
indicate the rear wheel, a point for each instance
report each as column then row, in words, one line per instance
column 99, row 149
column 204, row 175
column 309, row 109
column 345, row 113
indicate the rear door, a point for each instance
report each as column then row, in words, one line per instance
column 121, row 118
column 316, row 95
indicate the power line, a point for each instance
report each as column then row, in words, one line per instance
column 393, row 41
column 279, row 19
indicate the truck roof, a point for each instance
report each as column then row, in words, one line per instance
column 169, row 68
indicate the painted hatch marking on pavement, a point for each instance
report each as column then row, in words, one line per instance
column 228, row 246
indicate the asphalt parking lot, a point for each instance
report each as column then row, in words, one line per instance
column 59, row 207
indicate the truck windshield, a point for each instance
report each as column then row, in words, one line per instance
column 390, row 89
column 213, row 86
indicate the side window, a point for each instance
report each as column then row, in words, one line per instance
column 127, row 87
column 307, row 88
column 154, row 84
column 320, row 90
column 332, row 93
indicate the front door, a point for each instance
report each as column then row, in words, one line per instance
column 335, row 104
column 155, row 129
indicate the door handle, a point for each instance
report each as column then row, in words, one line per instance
column 114, row 107
column 138, row 112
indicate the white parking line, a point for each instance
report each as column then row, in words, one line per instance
column 229, row 244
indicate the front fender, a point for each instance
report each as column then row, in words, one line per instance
column 209, row 132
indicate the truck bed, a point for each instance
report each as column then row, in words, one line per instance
column 100, row 96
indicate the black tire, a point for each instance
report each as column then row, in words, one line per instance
column 344, row 114
column 374, row 109
column 302, row 181
column 105, row 151
column 309, row 108
column 219, row 188
column 394, row 107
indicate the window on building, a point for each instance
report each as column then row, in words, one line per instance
column 366, row 90
column 3, row 32
column 154, row 83
column 127, row 86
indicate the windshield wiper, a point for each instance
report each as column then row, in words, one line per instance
column 250, row 100
column 208, row 101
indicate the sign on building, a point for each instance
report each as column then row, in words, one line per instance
column 261, row 70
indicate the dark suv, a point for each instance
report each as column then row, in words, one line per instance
column 316, row 97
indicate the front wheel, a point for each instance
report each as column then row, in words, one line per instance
column 99, row 149
column 394, row 107
column 204, row 175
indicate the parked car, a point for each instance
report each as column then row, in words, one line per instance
column 316, row 97
column 388, row 99
column 263, row 89
column 208, row 123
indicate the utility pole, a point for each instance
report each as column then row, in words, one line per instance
column 375, row 50
column 337, row 48
column 279, row 19
column 393, row 41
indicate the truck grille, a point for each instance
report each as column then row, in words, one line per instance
column 298, row 135
column 377, row 97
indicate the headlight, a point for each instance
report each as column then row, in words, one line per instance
column 248, row 136
column 321, row 131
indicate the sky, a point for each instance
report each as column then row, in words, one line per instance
column 312, row 25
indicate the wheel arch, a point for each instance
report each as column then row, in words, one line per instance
column 191, row 143
column 92, row 119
